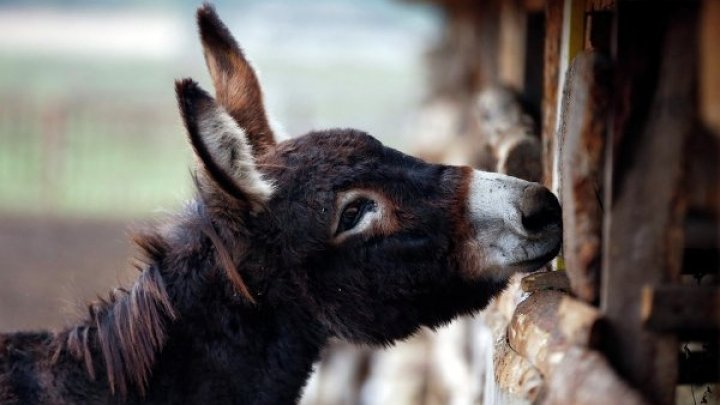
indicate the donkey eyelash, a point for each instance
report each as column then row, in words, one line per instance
column 352, row 213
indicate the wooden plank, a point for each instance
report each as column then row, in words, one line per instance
column 553, row 39
column 582, row 135
column 575, row 18
column 511, row 49
column 673, row 308
column 644, row 204
column 710, row 65
column 599, row 5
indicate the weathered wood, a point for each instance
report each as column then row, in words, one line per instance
column 553, row 39
column 546, row 280
column 710, row 65
column 584, row 377
column 547, row 324
column 511, row 48
column 515, row 375
column 643, row 194
column 583, row 129
column 599, row 5
column 672, row 308
column 702, row 177
column 508, row 131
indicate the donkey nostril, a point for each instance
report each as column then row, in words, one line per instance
column 539, row 209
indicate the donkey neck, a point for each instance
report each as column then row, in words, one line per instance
column 182, row 334
column 221, row 347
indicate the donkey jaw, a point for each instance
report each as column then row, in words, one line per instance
column 517, row 225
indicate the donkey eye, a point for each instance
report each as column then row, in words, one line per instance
column 353, row 213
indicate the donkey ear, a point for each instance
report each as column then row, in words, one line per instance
column 221, row 147
column 236, row 85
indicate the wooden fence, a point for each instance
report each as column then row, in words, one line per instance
column 623, row 97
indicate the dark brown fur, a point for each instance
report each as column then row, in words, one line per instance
column 240, row 291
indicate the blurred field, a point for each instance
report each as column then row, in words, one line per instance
column 90, row 137
column 51, row 266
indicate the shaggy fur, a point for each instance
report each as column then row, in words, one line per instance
column 240, row 291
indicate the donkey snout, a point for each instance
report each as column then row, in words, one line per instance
column 539, row 210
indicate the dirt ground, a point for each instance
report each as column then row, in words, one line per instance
column 50, row 268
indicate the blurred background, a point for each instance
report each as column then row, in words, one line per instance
column 606, row 102
column 90, row 136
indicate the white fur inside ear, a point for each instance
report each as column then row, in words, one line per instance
column 228, row 145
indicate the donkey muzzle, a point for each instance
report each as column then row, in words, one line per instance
column 517, row 224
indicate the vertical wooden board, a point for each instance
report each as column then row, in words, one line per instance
column 710, row 65
column 511, row 56
column 582, row 134
column 553, row 38
column 655, row 110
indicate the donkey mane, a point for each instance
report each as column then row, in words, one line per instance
column 129, row 325
column 129, row 328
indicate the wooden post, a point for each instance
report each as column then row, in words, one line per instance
column 581, row 138
column 553, row 39
column 511, row 55
column 710, row 65
column 643, row 238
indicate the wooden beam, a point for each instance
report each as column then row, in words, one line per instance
column 644, row 205
column 511, row 49
column 553, row 39
column 710, row 65
column 599, row 5
column 674, row 308
column 582, row 138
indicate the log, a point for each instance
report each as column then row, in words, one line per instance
column 515, row 375
column 674, row 308
column 584, row 377
column 508, row 132
column 546, row 280
column 582, row 136
column 547, row 324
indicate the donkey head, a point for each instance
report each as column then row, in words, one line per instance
column 370, row 242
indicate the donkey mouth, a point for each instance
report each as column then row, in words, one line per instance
column 530, row 265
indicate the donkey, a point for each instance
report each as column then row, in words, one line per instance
column 286, row 245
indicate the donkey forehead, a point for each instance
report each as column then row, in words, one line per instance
column 335, row 158
column 337, row 147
